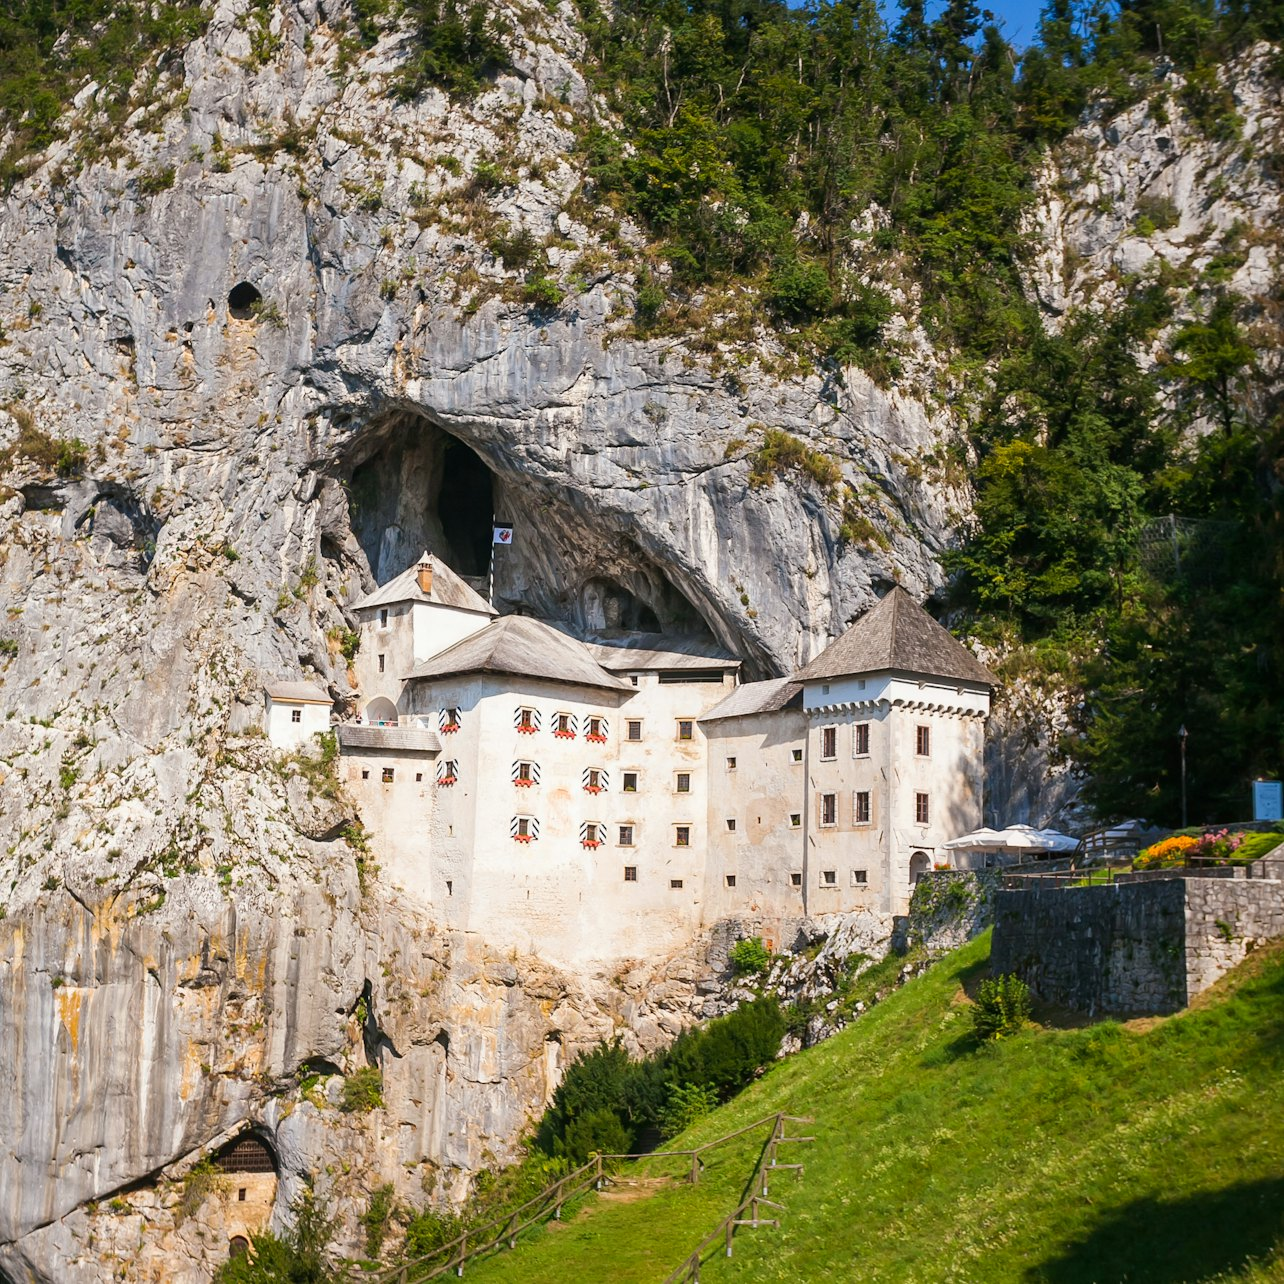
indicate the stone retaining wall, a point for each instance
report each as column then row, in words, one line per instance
column 1129, row 949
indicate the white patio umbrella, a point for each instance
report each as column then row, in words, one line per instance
column 1015, row 838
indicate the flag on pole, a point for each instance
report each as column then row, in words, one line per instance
column 502, row 535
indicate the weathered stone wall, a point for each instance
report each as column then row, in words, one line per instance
column 948, row 908
column 1225, row 919
column 1132, row 948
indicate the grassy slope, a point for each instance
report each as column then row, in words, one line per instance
column 1103, row 1153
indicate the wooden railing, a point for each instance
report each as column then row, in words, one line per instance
column 503, row 1231
column 752, row 1202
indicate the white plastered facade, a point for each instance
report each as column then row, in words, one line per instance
column 507, row 832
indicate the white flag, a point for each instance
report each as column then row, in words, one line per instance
column 502, row 535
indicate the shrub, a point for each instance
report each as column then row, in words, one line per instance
column 542, row 294
column 156, row 181
column 378, row 1217
column 799, row 291
column 1002, row 1007
column 687, row 1104
column 202, row 1180
column 749, row 956
column 782, row 452
column 1156, row 213
column 515, row 248
column 363, row 1090
column 1172, row 851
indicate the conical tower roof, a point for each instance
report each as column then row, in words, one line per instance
column 897, row 636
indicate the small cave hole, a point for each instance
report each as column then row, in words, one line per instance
column 242, row 299
column 247, row 1154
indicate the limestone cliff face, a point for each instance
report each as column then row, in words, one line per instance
column 272, row 315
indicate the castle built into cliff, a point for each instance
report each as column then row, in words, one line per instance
column 607, row 799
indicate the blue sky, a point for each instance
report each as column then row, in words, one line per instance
column 1019, row 18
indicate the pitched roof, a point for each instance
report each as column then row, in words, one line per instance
column 897, row 635
column 298, row 693
column 632, row 651
column 447, row 589
column 519, row 645
column 756, row 697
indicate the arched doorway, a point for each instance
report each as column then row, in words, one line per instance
column 920, row 863
column 238, row 1247
column 381, row 712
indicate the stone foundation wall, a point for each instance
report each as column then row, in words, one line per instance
column 1130, row 949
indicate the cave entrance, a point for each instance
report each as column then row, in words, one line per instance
column 415, row 487
column 465, row 507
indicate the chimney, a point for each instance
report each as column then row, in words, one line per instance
column 425, row 575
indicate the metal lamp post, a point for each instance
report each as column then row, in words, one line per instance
column 1181, row 736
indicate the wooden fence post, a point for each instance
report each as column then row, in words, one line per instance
column 463, row 1253
column 695, row 1167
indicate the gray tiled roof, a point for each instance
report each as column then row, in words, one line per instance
column 447, row 590
column 897, row 635
column 523, row 647
column 646, row 651
column 400, row 739
column 756, row 697
column 298, row 693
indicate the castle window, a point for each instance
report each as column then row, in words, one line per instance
column 682, row 835
column 731, row 824
column 860, row 812
column 795, row 820
column 525, row 774
column 450, row 887
column 630, row 873
column 675, row 884
column 447, row 773
column 923, row 741
column 448, row 720
column 634, row 729
column 795, row 755
column 296, row 715
column 626, row 835
column 241, row 1194
column 388, row 774
column 380, row 662
column 731, row 764
column 633, row 678
column 686, row 728
column 564, row 726
column 524, row 829
column 526, row 721
column 682, row 782
column 829, row 878
column 829, row 809
column 795, row 880
column 629, row 782
column 828, row 743
column 731, row 880
column 383, row 618
column 419, row 776
column 859, row 878
column 595, row 780
column 365, row 773
column 596, row 733
column 591, row 834
column 824, row 690
column 921, row 811
column 860, row 739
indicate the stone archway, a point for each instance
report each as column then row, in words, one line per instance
column 920, row 863
column 381, row 712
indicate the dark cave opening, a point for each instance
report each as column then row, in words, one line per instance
column 241, row 300
column 412, row 486
column 465, row 507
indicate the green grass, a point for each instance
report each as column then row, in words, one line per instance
column 1153, row 1151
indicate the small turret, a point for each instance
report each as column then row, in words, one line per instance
column 424, row 574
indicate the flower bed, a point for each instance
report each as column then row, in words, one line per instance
column 593, row 789
column 527, row 728
column 594, row 739
column 447, row 780
column 564, row 735
column 1217, row 847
